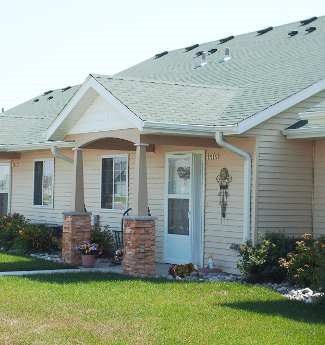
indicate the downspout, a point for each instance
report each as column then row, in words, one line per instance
column 56, row 153
column 247, row 182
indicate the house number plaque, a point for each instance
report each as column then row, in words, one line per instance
column 212, row 156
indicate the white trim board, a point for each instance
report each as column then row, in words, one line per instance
column 91, row 84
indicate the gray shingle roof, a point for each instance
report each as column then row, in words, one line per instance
column 264, row 69
column 267, row 68
column 168, row 102
column 27, row 122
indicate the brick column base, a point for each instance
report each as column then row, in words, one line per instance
column 139, row 246
column 76, row 229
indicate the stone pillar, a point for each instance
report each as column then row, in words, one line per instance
column 76, row 229
column 139, row 246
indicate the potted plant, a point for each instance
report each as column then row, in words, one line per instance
column 88, row 250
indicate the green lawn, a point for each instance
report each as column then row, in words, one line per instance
column 89, row 308
column 10, row 262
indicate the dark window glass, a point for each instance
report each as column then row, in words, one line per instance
column 178, row 223
column 107, row 183
column 38, row 182
column 3, row 204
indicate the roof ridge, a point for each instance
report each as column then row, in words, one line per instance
column 164, row 82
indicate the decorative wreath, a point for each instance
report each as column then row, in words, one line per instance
column 183, row 172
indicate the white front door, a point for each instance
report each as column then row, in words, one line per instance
column 4, row 188
column 178, row 207
column 184, row 188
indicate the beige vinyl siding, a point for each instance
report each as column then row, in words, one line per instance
column 219, row 233
column 218, row 236
column 319, row 193
column 284, row 175
column 23, row 188
column 92, row 181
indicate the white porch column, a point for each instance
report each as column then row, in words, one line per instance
column 78, row 182
column 141, row 189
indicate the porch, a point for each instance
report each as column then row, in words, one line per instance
column 174, row 178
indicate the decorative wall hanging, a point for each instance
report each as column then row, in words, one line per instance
column 224, row 179
column 184, row 172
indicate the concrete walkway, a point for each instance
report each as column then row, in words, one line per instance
column 161, row 269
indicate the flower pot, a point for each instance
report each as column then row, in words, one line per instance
column 88, row 261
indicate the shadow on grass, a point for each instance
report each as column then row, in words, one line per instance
column 31, row 266
column 298, row 311
column 89, row 277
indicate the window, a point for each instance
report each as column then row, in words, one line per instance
column 43, row 182
column 4, row 188
column 114, row 189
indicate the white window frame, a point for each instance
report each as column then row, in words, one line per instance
column 51, row 205
column 127, row 182
column 8, row 164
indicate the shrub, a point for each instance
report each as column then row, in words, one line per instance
column 260, row 263
column 37, row 237
column 10, row 225
column 17, row 233
column 105, row 240
column 305, row 265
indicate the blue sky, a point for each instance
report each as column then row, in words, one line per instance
column 47, row 45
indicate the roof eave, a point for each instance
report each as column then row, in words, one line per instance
column 310, row 133
column 37, row 146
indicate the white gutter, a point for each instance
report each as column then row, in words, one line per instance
column 247, row 182
column 56, row 153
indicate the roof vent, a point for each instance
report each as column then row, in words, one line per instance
column 293, row 33
column 212, row 51
column 36, row 100
column 264, row 31
column 227, row 56
column 47, row 92
column 310, row 29
column 187, row 49
column 202, row 61
column 66, row 88
column 307, row 21
column 226, row 39
column 157, row 56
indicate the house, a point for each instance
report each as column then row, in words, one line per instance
column 223, row 141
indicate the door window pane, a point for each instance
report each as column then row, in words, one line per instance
column 179, row 175
column 178, row 222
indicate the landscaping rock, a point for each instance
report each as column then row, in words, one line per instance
column 305, row 295
column 49, row 257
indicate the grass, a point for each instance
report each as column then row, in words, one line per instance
column 12, row 262
column 89, row 308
